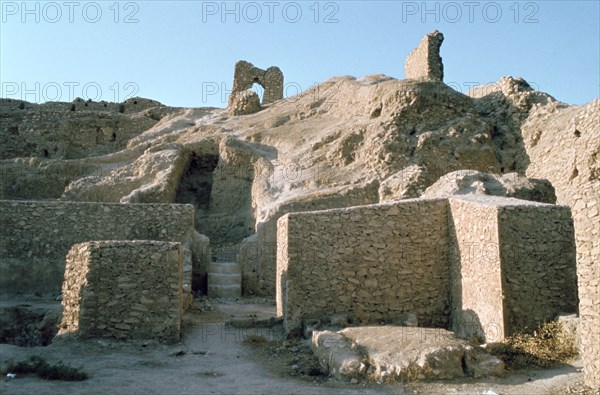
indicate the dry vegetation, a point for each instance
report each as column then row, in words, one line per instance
column 548, row 346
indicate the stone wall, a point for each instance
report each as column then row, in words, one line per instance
column 201, row 259
column 243, row 103
column 370, row 263
column 424, row 62
column 258, row 253
column 123, row 290
column 539, row 273
column 271, row 79
column 79, row 129
column 565, row 151
column 486, row 266
column 512, row 264
column 474, row 260
column 36, row 235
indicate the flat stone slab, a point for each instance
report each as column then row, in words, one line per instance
column 249, row 315
column 396, row 353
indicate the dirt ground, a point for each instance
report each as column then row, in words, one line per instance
column 238, row 348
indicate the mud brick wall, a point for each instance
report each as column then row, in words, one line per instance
column 512, row 263
column 370, row 263
column 123, row 290
column 36, row 235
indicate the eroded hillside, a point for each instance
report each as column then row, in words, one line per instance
column 345, row 142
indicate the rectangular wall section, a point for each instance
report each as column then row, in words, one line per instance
column 474, row 260
column 512, row 264
column 376, row 263
column 123, row 290
column 539, row 274
column 36, row 235
column 487, row 266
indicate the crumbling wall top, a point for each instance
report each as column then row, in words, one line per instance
column 425, row 62
column 271, row 79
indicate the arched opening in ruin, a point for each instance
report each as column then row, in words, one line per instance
column 259, row 89
column 246, row 76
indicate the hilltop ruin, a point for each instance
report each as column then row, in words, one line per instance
column 331, row 203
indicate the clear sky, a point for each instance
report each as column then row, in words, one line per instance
column 182, row 53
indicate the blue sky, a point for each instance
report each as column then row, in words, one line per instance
column 182, row 53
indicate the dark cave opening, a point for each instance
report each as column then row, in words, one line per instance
column 195, row 186
column 221, row 193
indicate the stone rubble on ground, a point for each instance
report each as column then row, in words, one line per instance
column 393, row 353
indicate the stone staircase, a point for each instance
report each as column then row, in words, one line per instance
column 224, row 280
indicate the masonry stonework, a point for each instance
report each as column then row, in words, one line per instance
column 512, row 265
column 123, row 290
column 425, row 62
column 258, row 253
column 71, row 130
column 485, row 266
column 271, row 79
column 36, row 235
column 539, row 276
column 474, row 260
column 243, row 103
column 370, row 263
column 565, row 152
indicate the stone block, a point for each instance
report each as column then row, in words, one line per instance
column 124, row 290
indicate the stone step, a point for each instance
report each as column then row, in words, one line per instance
column 225, row 267
column 224, row 278
column 224, row 291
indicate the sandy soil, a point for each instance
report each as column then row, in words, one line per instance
column 215, row 358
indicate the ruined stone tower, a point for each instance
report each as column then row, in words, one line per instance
column 425, row 62
column 271, row 79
